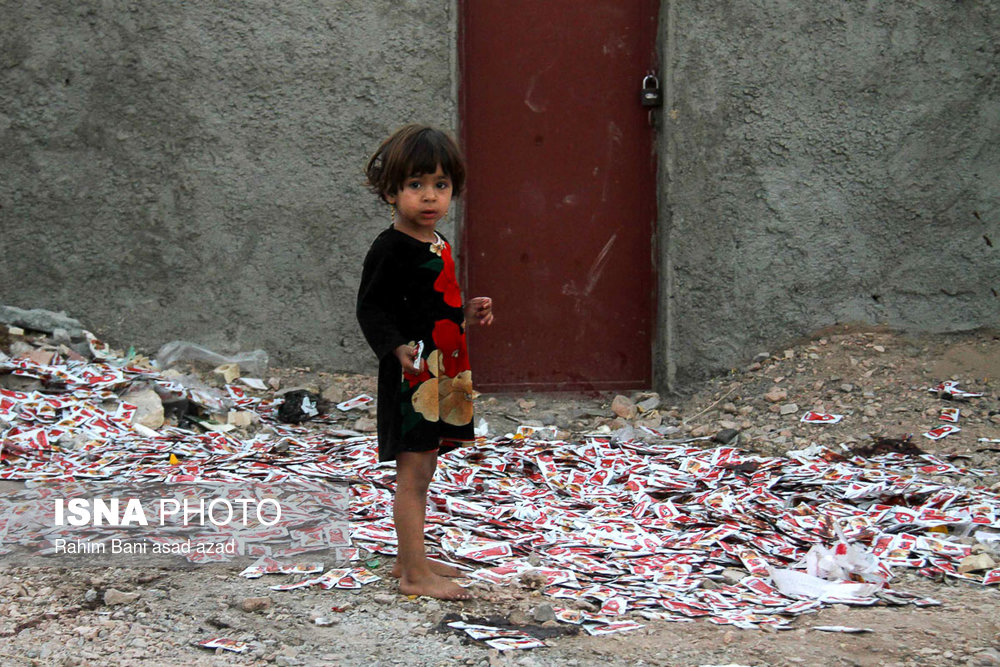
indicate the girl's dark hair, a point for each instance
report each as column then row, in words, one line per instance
column 414, row 150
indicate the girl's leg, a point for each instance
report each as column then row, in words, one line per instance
column 414, row 471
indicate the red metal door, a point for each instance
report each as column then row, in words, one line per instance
column 561, row 203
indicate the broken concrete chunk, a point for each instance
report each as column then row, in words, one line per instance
column 228, row 372
column 38, row 319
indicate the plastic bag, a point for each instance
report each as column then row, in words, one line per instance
column 251, row 363
column 843, row 560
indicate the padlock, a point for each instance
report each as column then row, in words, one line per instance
column 651, row 95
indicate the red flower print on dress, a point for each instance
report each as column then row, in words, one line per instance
column 450, row 340
column 446, row 283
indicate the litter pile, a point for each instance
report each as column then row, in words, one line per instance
column 664, row 530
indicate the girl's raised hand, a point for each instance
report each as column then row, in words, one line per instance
column 480, row 309
column 407, row 355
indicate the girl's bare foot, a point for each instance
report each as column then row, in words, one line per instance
column 442, row 569
column 434, row 586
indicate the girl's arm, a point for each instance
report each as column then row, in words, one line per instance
column 375, row 302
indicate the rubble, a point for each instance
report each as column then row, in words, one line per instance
column 684, row 495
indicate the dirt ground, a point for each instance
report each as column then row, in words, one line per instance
column 879, row 379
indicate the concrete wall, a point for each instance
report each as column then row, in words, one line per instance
column 823, row 163
column 194, row 170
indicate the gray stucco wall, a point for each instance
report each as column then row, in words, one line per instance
column 194, row 170
column 825, row 163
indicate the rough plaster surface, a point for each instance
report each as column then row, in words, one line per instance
column 195, row 170
column 825, row 163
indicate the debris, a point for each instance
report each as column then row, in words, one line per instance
column 950, row 415
column 941, row 432
column 298, row 406
column 841, row 628
column 38, row 319
column 356, row 402
column 225, row 644
column 228, row 372
column 498, row 638
column 253, row 362
column 883, row 445
column 949, row 390
column 788, row 409
column 821, row 418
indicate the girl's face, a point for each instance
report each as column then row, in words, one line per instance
column 421, row 202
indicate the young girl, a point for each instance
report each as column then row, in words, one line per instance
column 411, row 312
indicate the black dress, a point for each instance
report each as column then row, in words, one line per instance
column 409, row 294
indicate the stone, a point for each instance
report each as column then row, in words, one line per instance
column 776, row 395
column 255, row 604
column 114, row 597
column 41, row 320
column 732, row 576
column 518, row 617
column 366, row 425
column 789, row 409
column 976, row 562
column 150, row 408
column 240, row 418
column 624, row 407
column 544, row 612
column 727, row 436
column 650, row 403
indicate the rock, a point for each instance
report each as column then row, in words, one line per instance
column 847, row 388
column 518, row 617
column 41, row 320
column 733, row 576
column 730, row 408
column 727, row 436
column 624, row 407
column 776, row 395
column 789, row 409
column 975, row 562
column 255, row 604
column 701, row 431
column 150, row 408
column 366, row 425
column 241, row 418
column 113, row 597
column 988, row 656
column 650, row 403
column 384, row 598
column 652, row 419
column 544, row 612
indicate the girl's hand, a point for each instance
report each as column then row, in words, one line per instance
column 407, row 354
column 480, row 309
